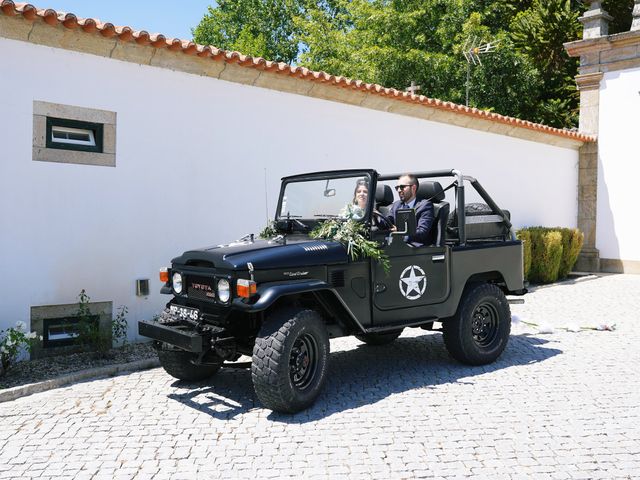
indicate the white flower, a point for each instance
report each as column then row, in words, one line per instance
column 21, row 326
column 2, row 349
column 9, row 342
column 41, row 338
column 546, row 328
column 572, row 327
column 32, row 335
column 604, row 327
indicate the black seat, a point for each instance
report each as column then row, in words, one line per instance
column 433, row 191
column 384, row 198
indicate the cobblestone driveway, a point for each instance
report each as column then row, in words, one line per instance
column 565, row 405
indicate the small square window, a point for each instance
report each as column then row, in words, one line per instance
column 65, row 134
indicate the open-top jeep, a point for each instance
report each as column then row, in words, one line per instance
column 280, row 300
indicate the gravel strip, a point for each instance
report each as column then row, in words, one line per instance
column 46, row 369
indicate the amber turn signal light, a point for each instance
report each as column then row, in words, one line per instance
column 164, row 275
column 245, row 288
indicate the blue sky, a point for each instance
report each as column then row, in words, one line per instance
column 170, row 17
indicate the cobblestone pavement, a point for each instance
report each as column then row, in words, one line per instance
column 564, row 405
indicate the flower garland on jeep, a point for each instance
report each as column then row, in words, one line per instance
column 269, row 231
column 351, row 234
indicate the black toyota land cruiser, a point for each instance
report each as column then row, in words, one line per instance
column 279, row 300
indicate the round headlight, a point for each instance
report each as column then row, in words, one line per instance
column 223, row 290
column 177, row 283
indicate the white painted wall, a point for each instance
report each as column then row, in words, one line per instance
column 619, row 166
column 192, row 153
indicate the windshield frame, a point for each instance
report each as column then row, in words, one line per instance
column 372, row 175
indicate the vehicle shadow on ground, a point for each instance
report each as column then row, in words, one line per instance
column 360, row 376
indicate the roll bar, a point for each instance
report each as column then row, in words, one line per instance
column 460, row 196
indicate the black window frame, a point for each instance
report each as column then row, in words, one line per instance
column 97, row 128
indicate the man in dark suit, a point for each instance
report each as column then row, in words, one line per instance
column 407, row 187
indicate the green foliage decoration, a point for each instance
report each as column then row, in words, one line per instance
column 269, row 231
column 352, row 235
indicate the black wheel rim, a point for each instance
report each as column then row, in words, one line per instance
column 303, row 361
column 484, row 324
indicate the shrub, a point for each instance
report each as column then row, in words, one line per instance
column 90, row 336
column 525, row 236
column 572, row 240
column 13, row 340
column 552, row 252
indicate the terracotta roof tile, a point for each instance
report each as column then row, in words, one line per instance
column 157, row 40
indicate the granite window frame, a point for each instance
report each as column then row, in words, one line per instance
column 101, row 122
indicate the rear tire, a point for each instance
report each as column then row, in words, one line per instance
column 377, row 339
column 178, row 364
column 479, row 331
column 290, row 360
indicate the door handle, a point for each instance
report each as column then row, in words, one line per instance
column 437, row 258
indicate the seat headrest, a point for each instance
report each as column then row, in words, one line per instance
column 430, row 190
column 384, row 195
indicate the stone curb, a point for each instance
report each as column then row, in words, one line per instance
column 93, row 373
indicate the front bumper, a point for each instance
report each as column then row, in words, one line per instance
column 185, row 339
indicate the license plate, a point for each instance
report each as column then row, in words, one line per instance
column 184, row 313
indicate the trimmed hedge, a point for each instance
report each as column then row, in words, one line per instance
column 549, row 254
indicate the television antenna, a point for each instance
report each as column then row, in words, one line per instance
column 473, row 49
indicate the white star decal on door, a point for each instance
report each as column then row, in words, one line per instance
column 413, row 282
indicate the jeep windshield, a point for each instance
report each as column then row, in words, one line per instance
column 321, row 198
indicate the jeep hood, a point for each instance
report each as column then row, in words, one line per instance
column 265, row 254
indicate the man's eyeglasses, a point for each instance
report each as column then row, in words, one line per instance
column 401, row 187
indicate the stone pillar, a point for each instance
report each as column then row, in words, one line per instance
column 589, row 87
column 595, row 20
column 635, row 25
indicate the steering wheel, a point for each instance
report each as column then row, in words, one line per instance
column 381, row 221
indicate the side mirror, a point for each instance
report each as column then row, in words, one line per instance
column 405, row 222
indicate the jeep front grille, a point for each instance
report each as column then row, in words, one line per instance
column 201, row 288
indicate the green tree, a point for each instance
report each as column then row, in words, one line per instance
column 260, row 28
column 395, row 42
column 540, row 33
column 621, row 11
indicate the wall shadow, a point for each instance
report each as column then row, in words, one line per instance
column 361, row 376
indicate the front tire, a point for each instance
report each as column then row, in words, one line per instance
column 479, row 331
column 177, row 363
column 290, row 360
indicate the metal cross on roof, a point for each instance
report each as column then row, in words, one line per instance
column 413, row 88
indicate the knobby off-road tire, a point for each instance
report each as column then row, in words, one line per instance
column 479, row 331
column 379, row 338
column 290, row 360
column 178, row 364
